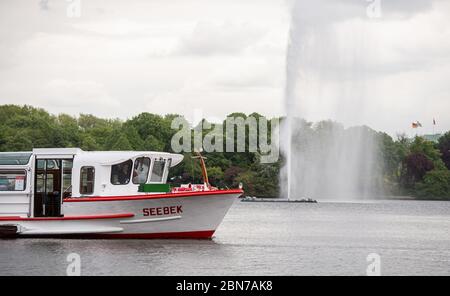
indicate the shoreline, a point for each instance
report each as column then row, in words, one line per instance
column 309, row 200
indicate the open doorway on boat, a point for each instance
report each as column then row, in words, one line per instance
column 53, row 182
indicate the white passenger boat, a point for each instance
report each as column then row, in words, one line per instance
column 67, row 192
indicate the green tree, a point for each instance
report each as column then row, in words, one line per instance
column 435, row 184
column 88, row 143
column 215, row 175
column 416, row 166
column 147, row 124
column 427, row 148
column 69, row 130
column 422, row 157
column 19, row 141
column 122, row 144
column 444, row 148
column 153, row 144
column 247, row 179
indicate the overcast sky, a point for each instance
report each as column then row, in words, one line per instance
column 119, row 58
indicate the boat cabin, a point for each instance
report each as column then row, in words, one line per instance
column 35, row 184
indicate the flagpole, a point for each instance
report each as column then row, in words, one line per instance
column 434, row 125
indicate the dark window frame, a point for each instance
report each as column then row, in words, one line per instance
column 16, row 171
column 148, row 171
column 161, row 180
column 81, row 179
column 129, row 174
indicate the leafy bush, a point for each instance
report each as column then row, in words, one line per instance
column 414, row 166
column 444, row 147
column 417, row 165
column 435, row 184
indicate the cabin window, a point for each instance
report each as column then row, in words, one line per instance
column 14, row 158
column 87, row 178
column 158, row 170
column 141, row 168
column 120, row 173
column 168, row 164
column 12, row 180
column 67, row 166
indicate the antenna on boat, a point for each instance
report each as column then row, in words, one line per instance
column 203, row 166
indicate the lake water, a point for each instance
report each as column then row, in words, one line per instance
column 411, row 237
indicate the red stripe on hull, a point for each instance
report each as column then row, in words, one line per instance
column 70, row 218
column 207, row 234
column 153, row 196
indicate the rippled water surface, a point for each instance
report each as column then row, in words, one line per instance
column 412, row 238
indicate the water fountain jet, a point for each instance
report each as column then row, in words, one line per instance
column 326, row 83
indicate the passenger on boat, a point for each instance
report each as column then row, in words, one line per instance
column 121, row 173
column 141, row 168
column 124, row 174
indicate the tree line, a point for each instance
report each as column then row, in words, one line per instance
column 414, row 167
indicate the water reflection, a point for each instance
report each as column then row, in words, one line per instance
column 264, row 239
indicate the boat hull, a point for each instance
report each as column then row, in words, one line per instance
column 193, row 215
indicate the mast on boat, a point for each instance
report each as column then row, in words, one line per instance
column 203, row 167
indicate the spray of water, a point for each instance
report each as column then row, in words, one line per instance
column 326, row 83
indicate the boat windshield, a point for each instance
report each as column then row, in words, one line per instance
column 158, row 170
column 141, row 168
column 15, row 158
column 120, row 173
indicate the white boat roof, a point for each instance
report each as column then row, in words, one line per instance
column 105, row 157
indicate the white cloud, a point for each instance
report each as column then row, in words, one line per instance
column 90, row 94
column 124, row 57
column 210, row 38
